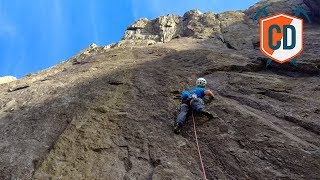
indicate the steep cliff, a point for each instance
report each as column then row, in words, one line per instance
column 108, row 112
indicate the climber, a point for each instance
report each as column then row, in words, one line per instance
column 192, row 101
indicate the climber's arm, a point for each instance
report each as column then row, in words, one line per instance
column 209, row 93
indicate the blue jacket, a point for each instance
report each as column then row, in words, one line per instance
column 197, row 91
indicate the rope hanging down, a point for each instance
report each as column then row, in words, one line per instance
column 195, row 134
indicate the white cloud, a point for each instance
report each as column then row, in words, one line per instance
column 57, row 11
column 154, row 8
column 92, row 6
column 135, row 9
column 57, row 17
column 10, row 38
column 59, row 27
column 7, row 28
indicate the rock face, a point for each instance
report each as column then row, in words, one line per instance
column 274, row 6
column 194, row 24
column 314, row 7
column 7, row 79
column 233, row 28
column 108, row 112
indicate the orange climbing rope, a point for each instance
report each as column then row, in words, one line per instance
column 195, row 134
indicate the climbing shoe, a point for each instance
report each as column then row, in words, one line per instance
column 177, row 128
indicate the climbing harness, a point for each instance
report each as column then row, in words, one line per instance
column 196, row 137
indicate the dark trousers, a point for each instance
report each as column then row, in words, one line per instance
column 186, row 109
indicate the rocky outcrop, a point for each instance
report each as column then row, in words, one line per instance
column 198, row 25
column 226, row 26
column 7, row 79
column 312, row 7
column 275, row 6
column 165, row 28
column 233, row 28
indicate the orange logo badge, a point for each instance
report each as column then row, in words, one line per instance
column 281, row 37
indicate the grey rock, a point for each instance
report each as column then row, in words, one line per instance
column 111, row 115
column 140, row 24
column 233, row 27
column 227, row 26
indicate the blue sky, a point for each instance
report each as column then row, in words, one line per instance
column 37, row 34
